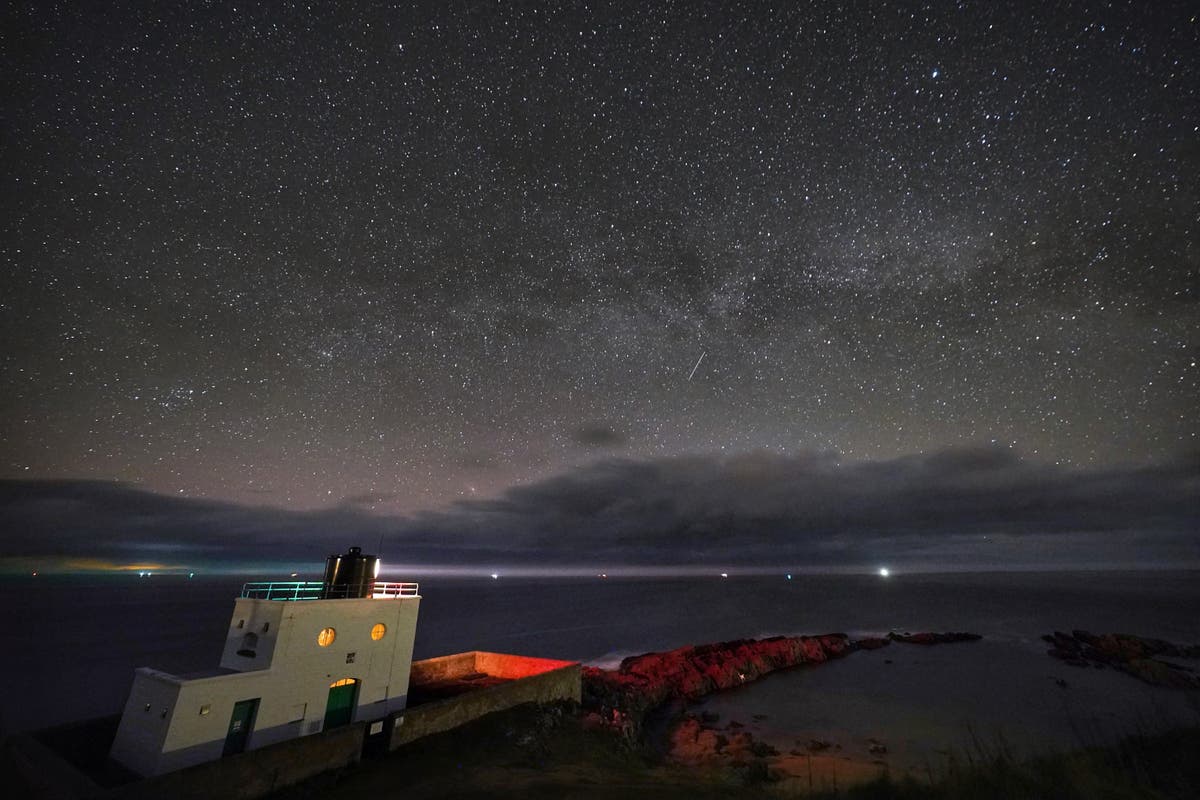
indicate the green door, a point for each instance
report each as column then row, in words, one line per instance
column 240, row 724
column 340, row 708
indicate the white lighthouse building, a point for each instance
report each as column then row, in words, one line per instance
column 300, row 657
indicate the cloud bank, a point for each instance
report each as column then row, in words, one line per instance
column 967, row 508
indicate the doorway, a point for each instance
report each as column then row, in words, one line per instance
column 241, row 722
column 339, row 710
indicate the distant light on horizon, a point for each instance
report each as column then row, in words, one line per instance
column 884, row 572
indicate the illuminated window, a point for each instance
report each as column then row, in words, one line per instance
column 378, row 631
column 342, row 682
column 326, row 637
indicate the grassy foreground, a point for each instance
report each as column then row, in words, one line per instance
column 545, row 752
column 1144, row 767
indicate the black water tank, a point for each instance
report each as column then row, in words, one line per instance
column 350, row 575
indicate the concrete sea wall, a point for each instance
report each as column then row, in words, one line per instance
column 256, row 772
column 532, row 680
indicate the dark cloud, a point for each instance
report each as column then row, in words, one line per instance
column 979, row 507
column 599, row 436
column 61, row 520
column 366, row 500
column 761, row 507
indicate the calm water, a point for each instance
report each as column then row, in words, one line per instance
column 74, row 642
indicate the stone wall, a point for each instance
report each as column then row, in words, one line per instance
column 441, row 668
column 533, row 680
column 256, row 772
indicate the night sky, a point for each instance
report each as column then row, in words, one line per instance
column 425, row 264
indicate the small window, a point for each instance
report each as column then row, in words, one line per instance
column 326, row 637
column 378, row 631
column 350, row 657
column 249, row 646
column 205, row 709
column 241, row 623
column 266, row 627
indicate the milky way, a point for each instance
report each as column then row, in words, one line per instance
column 411, row 256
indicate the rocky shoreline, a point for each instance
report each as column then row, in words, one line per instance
column 641, row 684
column 646, row 698
column 1134, row 655
column 651, row 691
column 622, row 698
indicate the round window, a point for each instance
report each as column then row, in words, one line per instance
column 326, row 637
column 378, row 631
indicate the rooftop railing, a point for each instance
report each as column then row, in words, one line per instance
column 315, row 590
column 394, row 589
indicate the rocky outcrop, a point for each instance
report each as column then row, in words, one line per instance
column 693, row 742
column 733, row 751
column 622, row 697
column 1134, row 655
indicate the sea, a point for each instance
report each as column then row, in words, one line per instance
column 73, row 643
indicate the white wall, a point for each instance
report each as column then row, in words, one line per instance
column 148, row 715
column 292, row 691
column 260, row 618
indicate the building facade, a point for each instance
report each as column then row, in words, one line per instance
column 298, row 658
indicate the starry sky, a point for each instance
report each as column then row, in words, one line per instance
column 410, row 258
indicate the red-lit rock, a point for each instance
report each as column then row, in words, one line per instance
column 692, row 742
column 642, row 683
